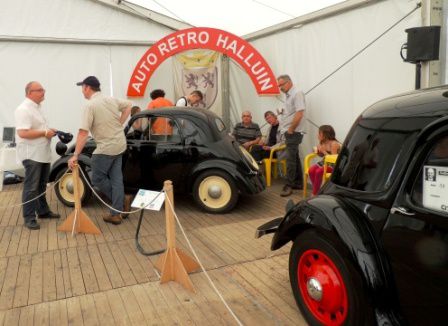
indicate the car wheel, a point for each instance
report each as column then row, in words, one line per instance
column 65, row 188
column 215, row 191
column 325, row 284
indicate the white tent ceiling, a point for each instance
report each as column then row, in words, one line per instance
column 59, row 42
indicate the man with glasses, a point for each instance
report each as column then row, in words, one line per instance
column 33, row 150
column 291, row 125
column 246, row 132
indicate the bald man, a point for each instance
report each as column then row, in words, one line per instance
column 33, row 150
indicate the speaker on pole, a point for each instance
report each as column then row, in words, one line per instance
column 423, row 44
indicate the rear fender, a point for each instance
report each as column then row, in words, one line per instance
column 338, row 221
column 349, row 226
column 225, row 166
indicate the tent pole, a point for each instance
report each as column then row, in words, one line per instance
column 225, row 90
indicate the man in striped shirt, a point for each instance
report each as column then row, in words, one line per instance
column 246, row 132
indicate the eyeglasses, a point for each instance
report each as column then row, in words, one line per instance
column 282, row 84
column 37, row 90
column 246, row 115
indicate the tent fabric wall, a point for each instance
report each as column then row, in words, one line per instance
column 79, row 19
column 58, row 68
column 310, row 52
column 87, row 37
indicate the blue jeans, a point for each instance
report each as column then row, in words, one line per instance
column 35, row 183
column 108, row 177
column 294, row 174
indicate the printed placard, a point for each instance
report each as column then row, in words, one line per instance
column 144, row 197
column 435, row 187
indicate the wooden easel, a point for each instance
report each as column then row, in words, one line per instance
column 78, row 221
column 174, row 264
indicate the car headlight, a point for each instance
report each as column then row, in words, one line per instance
column 249, row 158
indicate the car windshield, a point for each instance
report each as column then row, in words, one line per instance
column 372, row 155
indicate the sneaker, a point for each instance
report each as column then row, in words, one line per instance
column 113, row 219
column 50, row 214
column 32, row 225
column 286, row 191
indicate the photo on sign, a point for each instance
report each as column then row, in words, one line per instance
column 430, row 174
column 435, row 187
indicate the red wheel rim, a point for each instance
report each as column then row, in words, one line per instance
column 322, row 287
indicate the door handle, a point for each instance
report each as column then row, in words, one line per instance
column 402, row 211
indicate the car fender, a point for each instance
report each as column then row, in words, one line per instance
column 62, row 163
column 228, row 167
column 342, row 222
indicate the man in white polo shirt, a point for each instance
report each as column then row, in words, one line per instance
column 104, row 116
column 33, row 150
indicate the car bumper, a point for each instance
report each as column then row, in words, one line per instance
column 251, row 184
column 269, row 227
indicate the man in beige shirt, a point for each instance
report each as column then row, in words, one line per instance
column 104, row 116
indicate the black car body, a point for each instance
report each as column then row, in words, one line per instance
column 190, row 147
column 372, row 247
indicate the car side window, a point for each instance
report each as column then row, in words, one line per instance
column 192, row 134
column 430, row 189
column 135, row 131
column 163, row 130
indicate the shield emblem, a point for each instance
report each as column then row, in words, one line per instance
column 203, row 79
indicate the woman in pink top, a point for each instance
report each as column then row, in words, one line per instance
column 327, row 145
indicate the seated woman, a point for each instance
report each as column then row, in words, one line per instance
column 327, row 145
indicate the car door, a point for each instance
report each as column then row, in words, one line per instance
column 415, row 236
column 155, row 153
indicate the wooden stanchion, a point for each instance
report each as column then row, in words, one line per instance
column 174, row 264
column 78, row 221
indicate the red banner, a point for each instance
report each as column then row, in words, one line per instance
column 204, row 38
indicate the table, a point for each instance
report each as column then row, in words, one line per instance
column 8, row 162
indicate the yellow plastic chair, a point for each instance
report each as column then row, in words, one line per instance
column 328, row 159
column 271, row 163
column 306, row 168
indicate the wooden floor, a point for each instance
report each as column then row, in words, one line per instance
column 51, row 278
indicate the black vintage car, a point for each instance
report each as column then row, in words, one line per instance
column 188, row 146
column 372, row 247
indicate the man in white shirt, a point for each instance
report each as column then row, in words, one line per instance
column 190, row 100
column 33, row 150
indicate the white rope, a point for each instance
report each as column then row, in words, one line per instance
column 238, row 321
column 112, row 208
column 186, row 238
column 38, row 196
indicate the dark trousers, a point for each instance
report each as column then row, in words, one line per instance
column 35, row 183
column 108, row 177
column 258, row 153
column 294, row 174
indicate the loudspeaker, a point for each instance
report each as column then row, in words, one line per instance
column 423, row 43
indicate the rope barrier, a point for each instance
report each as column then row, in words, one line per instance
column 202, row 266
column 106, row 204
column 146, row 253
column 138, row 229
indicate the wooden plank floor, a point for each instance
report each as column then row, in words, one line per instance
column 51, row 278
